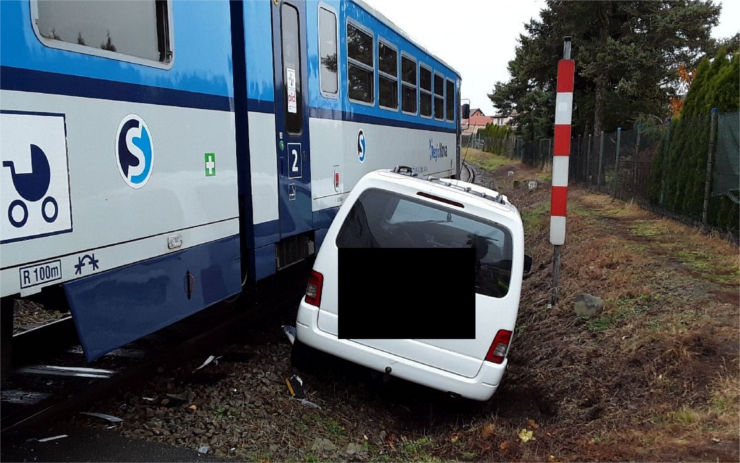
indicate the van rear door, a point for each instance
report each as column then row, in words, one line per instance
column 384, row 219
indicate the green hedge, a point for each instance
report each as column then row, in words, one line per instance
column 498, row 138
column 679, row 169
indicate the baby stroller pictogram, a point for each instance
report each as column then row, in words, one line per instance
column 32, row 186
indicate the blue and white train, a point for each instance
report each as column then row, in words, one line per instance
column 157, row 155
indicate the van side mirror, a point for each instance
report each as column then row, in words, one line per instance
column 466, row 111
column 527, row 263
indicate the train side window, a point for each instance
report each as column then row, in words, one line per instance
column 439, row 96
column 450, row 97
column 425, row 88
column 328, row 52
column 387, row 76
column 360, row 65
column 292, row 67
column 408, row 80
column 104, row 28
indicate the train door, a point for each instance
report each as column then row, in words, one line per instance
column 291, row 117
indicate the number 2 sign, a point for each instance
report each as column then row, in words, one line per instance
column 295, row 161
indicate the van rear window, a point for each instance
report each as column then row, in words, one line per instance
column 382, row 219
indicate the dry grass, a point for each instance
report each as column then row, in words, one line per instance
column 655, row 374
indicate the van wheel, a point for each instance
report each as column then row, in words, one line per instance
column 302, row 356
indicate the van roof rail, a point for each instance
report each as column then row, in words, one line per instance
column 404, row 170
column 498, row 198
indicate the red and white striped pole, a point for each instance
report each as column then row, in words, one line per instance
column 561, row 154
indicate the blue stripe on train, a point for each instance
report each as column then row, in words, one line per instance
column 113, row 308
column 26, row 80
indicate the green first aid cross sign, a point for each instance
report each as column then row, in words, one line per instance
column 210, row 164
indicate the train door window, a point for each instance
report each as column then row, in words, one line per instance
column 450, row 98
column 328, row 52
column 408, row 80
column 425, row 91
column 387, row 76
column 360, row 65
column 439, row 96
column 104, row 28
column 292, row 69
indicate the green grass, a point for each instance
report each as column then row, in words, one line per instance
column 624, row 309
column 533, row 218
column 576, row 208
column 646, row 229
column 707, row 265
column 418, row 450
column 685, row 416
column 488, row 161
column 331, row 425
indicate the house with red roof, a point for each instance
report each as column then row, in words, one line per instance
column 478, row 120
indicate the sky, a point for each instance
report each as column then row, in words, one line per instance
column 478, row 37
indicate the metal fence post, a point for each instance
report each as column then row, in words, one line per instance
column 666, row 144
column 616, row 162
column 588, row 162
column 708, row 178
column 578, row 155
column 601, row 156
column 634, row 161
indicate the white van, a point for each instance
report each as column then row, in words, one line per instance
column 394, row 205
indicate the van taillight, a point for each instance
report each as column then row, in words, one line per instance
column 313, row 289
column 499, row 346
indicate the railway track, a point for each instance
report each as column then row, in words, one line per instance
column 50, row 376
column 470, row 172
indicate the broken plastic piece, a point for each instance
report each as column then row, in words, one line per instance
column 210, row 359
column 55, row 370
column 47, row 439
column 289, row 332
column 295, row 387
column 103, row 416
column 308, row 403
column 204, row 449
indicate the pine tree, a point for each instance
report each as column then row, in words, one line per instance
column 627, row 61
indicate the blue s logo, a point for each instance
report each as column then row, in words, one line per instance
column 134, row 151
column 361, row 146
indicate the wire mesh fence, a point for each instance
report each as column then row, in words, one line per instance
column 663, row 166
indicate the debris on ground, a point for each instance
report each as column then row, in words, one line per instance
column 289, row 332
column 308, row 403
column 47, row 439
column 103, row 416
column 295, row 387
column 210, row 359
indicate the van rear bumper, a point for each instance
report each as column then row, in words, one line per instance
column 480, row 387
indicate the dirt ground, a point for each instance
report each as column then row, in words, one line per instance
column 653, row 376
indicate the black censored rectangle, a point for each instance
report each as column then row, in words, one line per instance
column 406, row 293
